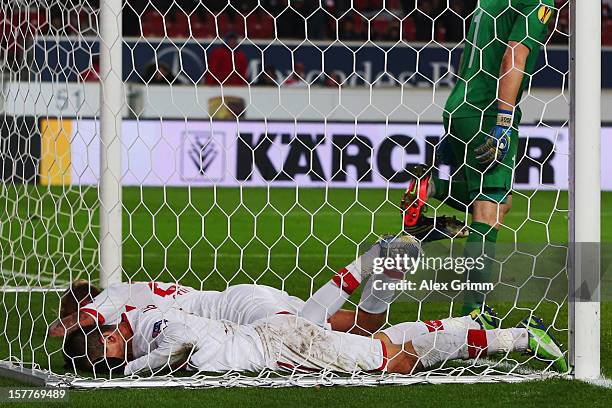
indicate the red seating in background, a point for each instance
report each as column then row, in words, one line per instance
column 153, row 24
column 11, row 36
column 23, row 23
column 360, row 24
column 606, row 32
column 239, row 26
column 153, row 17
column 224, row 24
column 361, row 5
column 260, row 25
column 268, row 24
column 440, row 34
column 38, row 21
column 176, row 30
column 394, row 5
column 182, row 19
column 376, row 5
column 408, row 29
column 379, row 28
column 202, row 29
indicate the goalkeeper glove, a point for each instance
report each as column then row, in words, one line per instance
column 497, row 142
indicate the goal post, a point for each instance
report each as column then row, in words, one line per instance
column 112, row 100
column 174, row 167
column 585, row 191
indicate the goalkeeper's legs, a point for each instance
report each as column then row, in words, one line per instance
column 482, row 241
column 489, row 191
column 485, row 191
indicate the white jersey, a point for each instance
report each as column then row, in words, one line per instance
column 168, row 338
column 119, row 298
column 245, row 304
column 163, row 339
column 242, row 304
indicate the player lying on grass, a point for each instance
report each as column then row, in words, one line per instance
column 245, row 304
column 151, row 341
column 242, row 304
column 87, row 305
column 481, row 119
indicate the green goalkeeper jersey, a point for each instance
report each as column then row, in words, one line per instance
column 494, row 24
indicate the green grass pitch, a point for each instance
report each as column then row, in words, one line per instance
column 212, row 238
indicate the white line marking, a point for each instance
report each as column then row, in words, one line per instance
column 37, row 278
column 221, row 255
column 600, row 382
column 29, row 289
column 505, row 365
column 350, row 213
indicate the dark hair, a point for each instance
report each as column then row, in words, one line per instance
column 84, row 350
column 78, row 291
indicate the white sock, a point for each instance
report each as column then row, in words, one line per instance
column 404, row 332
column 330, row 297
column 323, row 303
column 439, row 346
column 506, row 340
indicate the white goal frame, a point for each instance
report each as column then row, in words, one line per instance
column 585, row 188
column 584, row 197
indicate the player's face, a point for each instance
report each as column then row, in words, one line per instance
column 114, row 344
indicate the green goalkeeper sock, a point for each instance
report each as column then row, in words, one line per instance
column 480, row 242
column 455, row 194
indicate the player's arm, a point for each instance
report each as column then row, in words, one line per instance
column 527, row 36
column 68, row 324
column 511, row 75
column 510, row 78
column 173, row 352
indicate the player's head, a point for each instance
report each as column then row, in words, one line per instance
column 80, row 293
column 95, row 349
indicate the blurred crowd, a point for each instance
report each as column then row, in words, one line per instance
column 345, row 20
column 356, row 21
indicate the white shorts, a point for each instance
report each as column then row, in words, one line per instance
column 245, row 304
column 293, row 343
column 242, row 304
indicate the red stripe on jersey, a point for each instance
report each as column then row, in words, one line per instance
column 129, row 308
column 284, row 312
column 345, row 280
column 385, row 359
column 154, row 286
column 477, row 342
column 93, row 313
column 434, row 325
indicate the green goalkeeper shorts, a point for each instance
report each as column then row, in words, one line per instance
column 484, row 183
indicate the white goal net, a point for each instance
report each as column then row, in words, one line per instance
column 242, row 161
